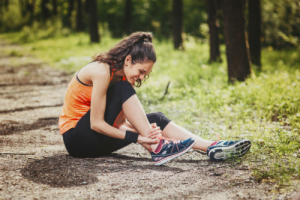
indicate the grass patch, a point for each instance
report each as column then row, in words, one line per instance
column 265, row 109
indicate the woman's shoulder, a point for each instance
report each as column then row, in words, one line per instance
column 97, row 69
column 94, row 71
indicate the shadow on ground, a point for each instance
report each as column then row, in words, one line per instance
column 9, row 127
column 66, row 171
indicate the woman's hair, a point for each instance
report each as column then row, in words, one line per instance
column 138, row 45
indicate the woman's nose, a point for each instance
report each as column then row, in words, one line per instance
column 142, row 76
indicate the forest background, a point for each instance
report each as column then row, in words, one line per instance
column 195, row 90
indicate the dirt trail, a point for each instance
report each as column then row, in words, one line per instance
column 35, row 165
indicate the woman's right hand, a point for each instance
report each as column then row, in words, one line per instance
column 146, row 140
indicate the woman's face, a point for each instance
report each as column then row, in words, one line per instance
column 136, row 71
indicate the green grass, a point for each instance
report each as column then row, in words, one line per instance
column 265, row 109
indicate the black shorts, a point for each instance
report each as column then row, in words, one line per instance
column 83, row 142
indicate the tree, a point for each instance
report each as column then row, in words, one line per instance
column 177, row 23
column 45, row 10
column 30, row 7
column 93, row 23
column 237, row 49
column 79, row 17
column 69, row 15
column 254, row 31
column 6, row 4
column 127, row 17
column 213, row 23
column 54, row 4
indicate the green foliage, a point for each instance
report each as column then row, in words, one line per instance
column 11, row 19
column 265, row 109
column 38, row 31
column 279, row 17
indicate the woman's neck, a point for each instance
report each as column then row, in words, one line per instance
column 119, row 73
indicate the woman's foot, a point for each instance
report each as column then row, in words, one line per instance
column 170, row 149
column 223, row 150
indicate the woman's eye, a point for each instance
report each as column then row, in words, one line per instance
column 141, row 72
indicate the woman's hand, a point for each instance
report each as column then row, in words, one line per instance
column 155, row 132
column 146, row 140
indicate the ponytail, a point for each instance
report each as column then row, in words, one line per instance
column 138, row 45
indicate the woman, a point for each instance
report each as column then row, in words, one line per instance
column 102, row 113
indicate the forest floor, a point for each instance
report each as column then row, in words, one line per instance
column 34, row 163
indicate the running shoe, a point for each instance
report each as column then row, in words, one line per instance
column 228, row 149
column 170, row 149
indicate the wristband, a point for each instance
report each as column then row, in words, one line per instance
column 131, row 136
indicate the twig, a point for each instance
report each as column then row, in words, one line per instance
column 166, row 91
column 11, row 153
column 202, row 152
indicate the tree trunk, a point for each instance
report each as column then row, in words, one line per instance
column 127, row 17
column 69, row 15
column 54, row 4
column 237, row 49
column 6, row 4
column 177, row 24
column 79, row 17
column 86, row 6
column 45, row 10
column 93, row 22
column 254, row 31
column 213, row 23
column 30, row 7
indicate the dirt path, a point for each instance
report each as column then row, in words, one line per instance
column 31, row 96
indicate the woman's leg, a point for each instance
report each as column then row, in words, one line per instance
column 177, row 132
column 172, row 130
column 135, row 114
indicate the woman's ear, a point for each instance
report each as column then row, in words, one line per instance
column 128, row 60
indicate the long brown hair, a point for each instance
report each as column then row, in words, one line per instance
column 138, row 45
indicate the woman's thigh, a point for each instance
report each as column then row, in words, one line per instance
column 82, row 141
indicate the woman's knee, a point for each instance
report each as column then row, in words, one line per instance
column 121, row 90
column 123, row 86
column 159, row 118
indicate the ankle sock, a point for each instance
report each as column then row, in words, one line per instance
column 214, row 143
column 159, row 146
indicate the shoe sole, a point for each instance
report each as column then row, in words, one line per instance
column 237, row 150
column 163, row 161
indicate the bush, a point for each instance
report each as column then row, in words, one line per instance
column 52, row 28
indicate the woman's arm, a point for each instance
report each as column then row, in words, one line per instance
column 100, row 76
column 122, row 124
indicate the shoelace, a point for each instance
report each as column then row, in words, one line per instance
column 169, row 140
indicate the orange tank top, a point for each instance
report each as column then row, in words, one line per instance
column 77, row 103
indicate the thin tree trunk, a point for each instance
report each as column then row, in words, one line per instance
column 30, row 9
column 177, row 24
column 254, row 31
column 22, row 8
column 237, row 49
column 45, row 10
column 69, row 15
column 79, row 17
column 86, row 6
column 30, row 6
column 127, row 17
column 6, row 4
column 213, row 23
column 93, row 22
column 54, row 4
